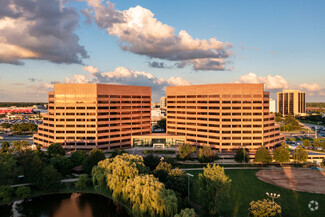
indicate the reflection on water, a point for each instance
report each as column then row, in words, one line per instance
column 64, row 205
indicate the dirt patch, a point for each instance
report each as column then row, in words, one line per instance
column 297, row 179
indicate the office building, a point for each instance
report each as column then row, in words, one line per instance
column 85, row 116
column 291, row 102
column 273, row 106
column 224, row 116
column 163, row 102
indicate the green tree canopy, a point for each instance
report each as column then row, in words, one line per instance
column 185, row 151
column 5, row 147
column 281, row 154
column 50, row 179
column 78, row 157
column 8, row 166
column 214, row 186
column 62, row 164
column 264, row 208
column 6, row 193
column 82, row 182
column 33, row 166
column 55, row 149
column 241, row 156
column 206, row 154
column 187, row 212
column 306, row 143
column 263, row 155
column 300, row 155
column 20, row 146
column 151, row 161
column 92, row 159
column 23, row 191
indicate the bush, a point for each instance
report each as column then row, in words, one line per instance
column 5, row 193
column 186, row 213
column 82, row 182
column 263, row 155
column 23, row 191
column 241, row 156
column 265, row 208
column 185, row 151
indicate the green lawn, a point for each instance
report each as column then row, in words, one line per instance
column 246, row 187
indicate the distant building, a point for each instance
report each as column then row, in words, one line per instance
column 163, row 102
column 16, row 110
column 85, row 116
column 273, row 106
column 291, row 102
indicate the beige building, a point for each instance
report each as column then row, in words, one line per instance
column 85, row 116
column 163, row 102
column 291, row 101
column 224, row 116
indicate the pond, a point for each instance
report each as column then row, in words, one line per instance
column 64, row 205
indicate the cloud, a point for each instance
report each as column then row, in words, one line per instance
column 34, row 79
column 141, row 33
column 309, row 87
column 39, row 29
column 18, row 84
column 122, row 75
column 160, row 65
column 270, row 82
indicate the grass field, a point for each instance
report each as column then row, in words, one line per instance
column 246, row 187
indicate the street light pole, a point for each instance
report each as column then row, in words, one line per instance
column 188, row 188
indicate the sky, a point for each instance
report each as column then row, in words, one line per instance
column 161, row 43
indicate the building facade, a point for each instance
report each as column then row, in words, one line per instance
column 291, row 102
column 85, row 116
column 223, row 116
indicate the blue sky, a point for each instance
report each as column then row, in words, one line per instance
column 279, row 43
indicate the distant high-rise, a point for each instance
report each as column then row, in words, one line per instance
column 85, row 116
column 291, row 102
column 223, row 116
column 163, row 102
column 273, row 106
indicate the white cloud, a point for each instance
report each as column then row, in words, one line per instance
column 309, row 87
column 270, row 82
column 141, row 33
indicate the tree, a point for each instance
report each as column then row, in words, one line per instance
column 20, row 146
column 121, row 168
column 99, row 177
column 6, row 193
column 264, row 208
column 322, row 144
column 151, row 161
column 241, row 156
column 5, row 146
column 7, row 168
column 149, row 197
column 164, row 166
column 162, row 170
column 117, row 152
column 214, row 186
column 316, row 143
column 185, row 151
column 306, row 143
column 62, row 164
column 33, row 166
column 23, row 191
column 281, row 154
column 263, row 155
column 55, row 149
column 50, row 179
column 206, row 154
column 82, row 182
column 300, row 154
column 162, row 124
column 78, row 157
column 92, row 159
column 187, row 212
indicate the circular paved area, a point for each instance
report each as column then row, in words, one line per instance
column 298, row 179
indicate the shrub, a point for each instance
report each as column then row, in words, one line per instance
column 82, row 182
column 206, row 154
column 186, row 213
column 265, row 208
column 23, row 191
column 241, row 156
column 185, row 151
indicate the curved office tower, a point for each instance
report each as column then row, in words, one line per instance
column 85, row 116
column 224, row 116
